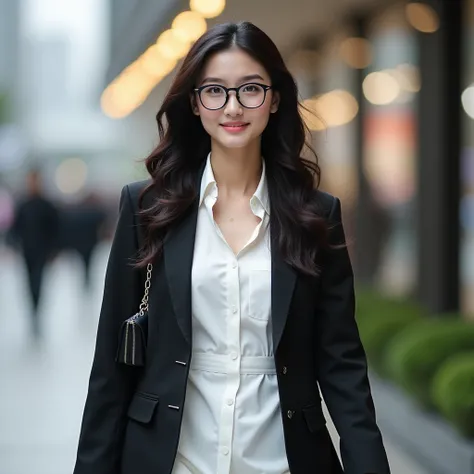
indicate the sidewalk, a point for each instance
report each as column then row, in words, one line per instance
column 41, row 398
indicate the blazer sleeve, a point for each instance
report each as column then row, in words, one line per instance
column 342, row 364
column 111, row 384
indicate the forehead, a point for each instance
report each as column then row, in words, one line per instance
column 231, row 65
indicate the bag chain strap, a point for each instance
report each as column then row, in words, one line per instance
column 144, row 303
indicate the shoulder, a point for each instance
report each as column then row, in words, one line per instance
column 136, row 188
column 132, row 192
column 326, row 203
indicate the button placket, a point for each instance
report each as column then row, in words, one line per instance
column 226, row 426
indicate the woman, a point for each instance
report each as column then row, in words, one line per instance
column 251, row 303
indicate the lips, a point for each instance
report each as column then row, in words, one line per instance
column 234, row 124
column 234, row 127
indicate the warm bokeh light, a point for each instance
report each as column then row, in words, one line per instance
column 356, row 52
column 381, row 88
column 422, row 17
column 335, row 108
column 71, row 175
column 189, row 26
column 408, row 77
column 127, row 92
column 172, row 46
column 208, row 8
column 131, row 88
column 467, row 99
column 305, row 61
column 155, row 64
column 310, row 115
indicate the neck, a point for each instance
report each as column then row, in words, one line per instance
column 237, row 170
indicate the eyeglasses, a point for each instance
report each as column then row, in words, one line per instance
column 214, row 96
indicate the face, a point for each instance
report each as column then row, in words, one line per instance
column 234, row 126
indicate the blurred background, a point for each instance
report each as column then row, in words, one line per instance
column 392, row 82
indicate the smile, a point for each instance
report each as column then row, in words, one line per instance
column 233, row 128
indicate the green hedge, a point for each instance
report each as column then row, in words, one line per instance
column 453, row 392
column 416, row 353
column 380, row 319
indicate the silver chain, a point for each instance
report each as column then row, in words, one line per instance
column 144, row 303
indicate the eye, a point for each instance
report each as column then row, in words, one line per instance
column 213, row 90
column 249, row 88
column 252, row 90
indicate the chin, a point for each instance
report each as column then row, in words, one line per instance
column 235, row 142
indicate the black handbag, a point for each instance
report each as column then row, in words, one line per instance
column 133, row 335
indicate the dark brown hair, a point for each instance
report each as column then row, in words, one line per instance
column 297, row 228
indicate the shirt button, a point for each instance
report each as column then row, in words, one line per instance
column 234, row 309
column 290, row 414
column 225, row 450
column 284, row 370
column 234, row 355
column 230, row 402
column 234, row 265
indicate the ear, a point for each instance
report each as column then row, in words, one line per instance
column 275, row 102
column 194, row 106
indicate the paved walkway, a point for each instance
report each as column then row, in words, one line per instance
column 43, row 387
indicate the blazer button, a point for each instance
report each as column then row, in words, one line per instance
column 290, row 414
column 284, row 370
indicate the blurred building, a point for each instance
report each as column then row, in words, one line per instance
column 53, row 58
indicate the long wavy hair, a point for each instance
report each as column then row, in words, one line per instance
column 297, row 227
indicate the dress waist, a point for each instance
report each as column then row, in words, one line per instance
column 223, row 364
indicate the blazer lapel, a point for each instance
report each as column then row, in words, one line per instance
column 283, row 284
column 178, row 250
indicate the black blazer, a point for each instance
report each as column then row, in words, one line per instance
column 128, row 426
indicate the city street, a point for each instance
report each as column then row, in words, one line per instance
column 44, row 385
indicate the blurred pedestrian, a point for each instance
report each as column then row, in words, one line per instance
column 82, row 227
column 35, row 232
column 250, row 286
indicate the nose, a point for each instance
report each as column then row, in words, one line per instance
column 233, row 107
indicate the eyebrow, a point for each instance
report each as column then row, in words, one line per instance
column 251, row 77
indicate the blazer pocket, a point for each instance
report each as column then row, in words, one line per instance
column 142, row 407
column 314, row 418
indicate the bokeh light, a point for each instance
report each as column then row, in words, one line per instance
column 71, row 175
column 356, row 52
column 381, row 88
column 422, row 17
column 208, row 8
column 189, row 26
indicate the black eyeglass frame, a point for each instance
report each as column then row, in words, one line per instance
column 237, row 93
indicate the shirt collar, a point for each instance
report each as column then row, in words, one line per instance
column 209, row 185
column 208, row 182
column 261, row 193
